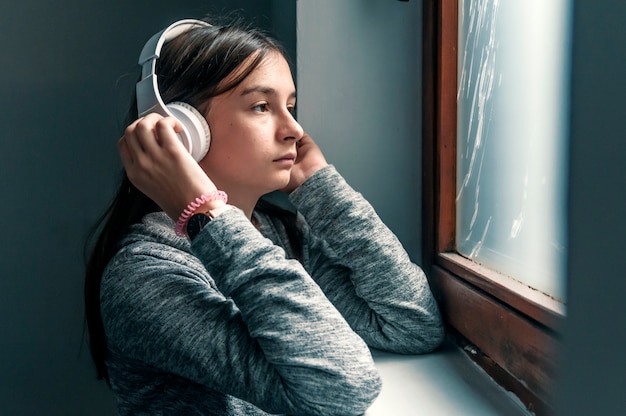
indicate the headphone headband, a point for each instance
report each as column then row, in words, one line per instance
column 152, row 49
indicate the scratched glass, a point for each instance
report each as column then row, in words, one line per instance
column 512, row 129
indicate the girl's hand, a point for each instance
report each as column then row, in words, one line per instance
column 309, row 160
column 158, row 164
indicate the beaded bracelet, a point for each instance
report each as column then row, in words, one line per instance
column 193, row 206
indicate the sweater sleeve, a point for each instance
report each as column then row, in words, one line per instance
column 364, row 270
column 268, row 335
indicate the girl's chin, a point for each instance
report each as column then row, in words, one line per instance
column 282, row 182
column 277, row 183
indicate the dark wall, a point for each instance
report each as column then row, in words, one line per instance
column 63, row 91
column 593, row 364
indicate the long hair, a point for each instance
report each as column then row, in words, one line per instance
column 193, row 67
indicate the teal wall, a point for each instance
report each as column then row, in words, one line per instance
column 593, row 366
column 359, row 96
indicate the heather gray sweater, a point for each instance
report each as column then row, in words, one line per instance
column 229, row 325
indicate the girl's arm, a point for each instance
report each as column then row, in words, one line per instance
column 363, row 268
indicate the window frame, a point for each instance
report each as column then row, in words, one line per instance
column 509, row 329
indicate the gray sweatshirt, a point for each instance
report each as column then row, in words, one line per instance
column 232, row 325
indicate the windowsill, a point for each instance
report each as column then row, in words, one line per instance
column 445, row 382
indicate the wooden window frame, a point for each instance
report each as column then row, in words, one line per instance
column 509, row 329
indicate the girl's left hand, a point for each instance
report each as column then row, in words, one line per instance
column 309, row 160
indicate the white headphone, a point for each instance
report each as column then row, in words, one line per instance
column 196, row 135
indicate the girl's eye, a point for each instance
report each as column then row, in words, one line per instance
column 292, row 109
column 261, row 107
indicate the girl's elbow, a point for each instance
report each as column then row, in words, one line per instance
column 352, row 393
column 355, row 395
column 430, row 335
column 435, row 338
column 420, row 336
column 366, row 389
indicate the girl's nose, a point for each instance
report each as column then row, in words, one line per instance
column 290, row 128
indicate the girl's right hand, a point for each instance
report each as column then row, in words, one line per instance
column 310, row 159
column 158, row 164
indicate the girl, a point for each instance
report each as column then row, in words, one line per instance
column 204, row 295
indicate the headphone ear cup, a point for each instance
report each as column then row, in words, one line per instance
column 196, row 134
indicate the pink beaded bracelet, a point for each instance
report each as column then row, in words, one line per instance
column 193, row 206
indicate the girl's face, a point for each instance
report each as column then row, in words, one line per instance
column 253, row 132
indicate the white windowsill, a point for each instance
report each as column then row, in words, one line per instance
column 445, row 382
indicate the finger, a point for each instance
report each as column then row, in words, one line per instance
column 131, row 136
column 124, row 151
column 145, row 135
column 169, row 130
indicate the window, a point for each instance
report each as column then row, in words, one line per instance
column 509, row 325
column 511, row 138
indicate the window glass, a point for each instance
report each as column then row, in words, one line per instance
column 513, row 78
